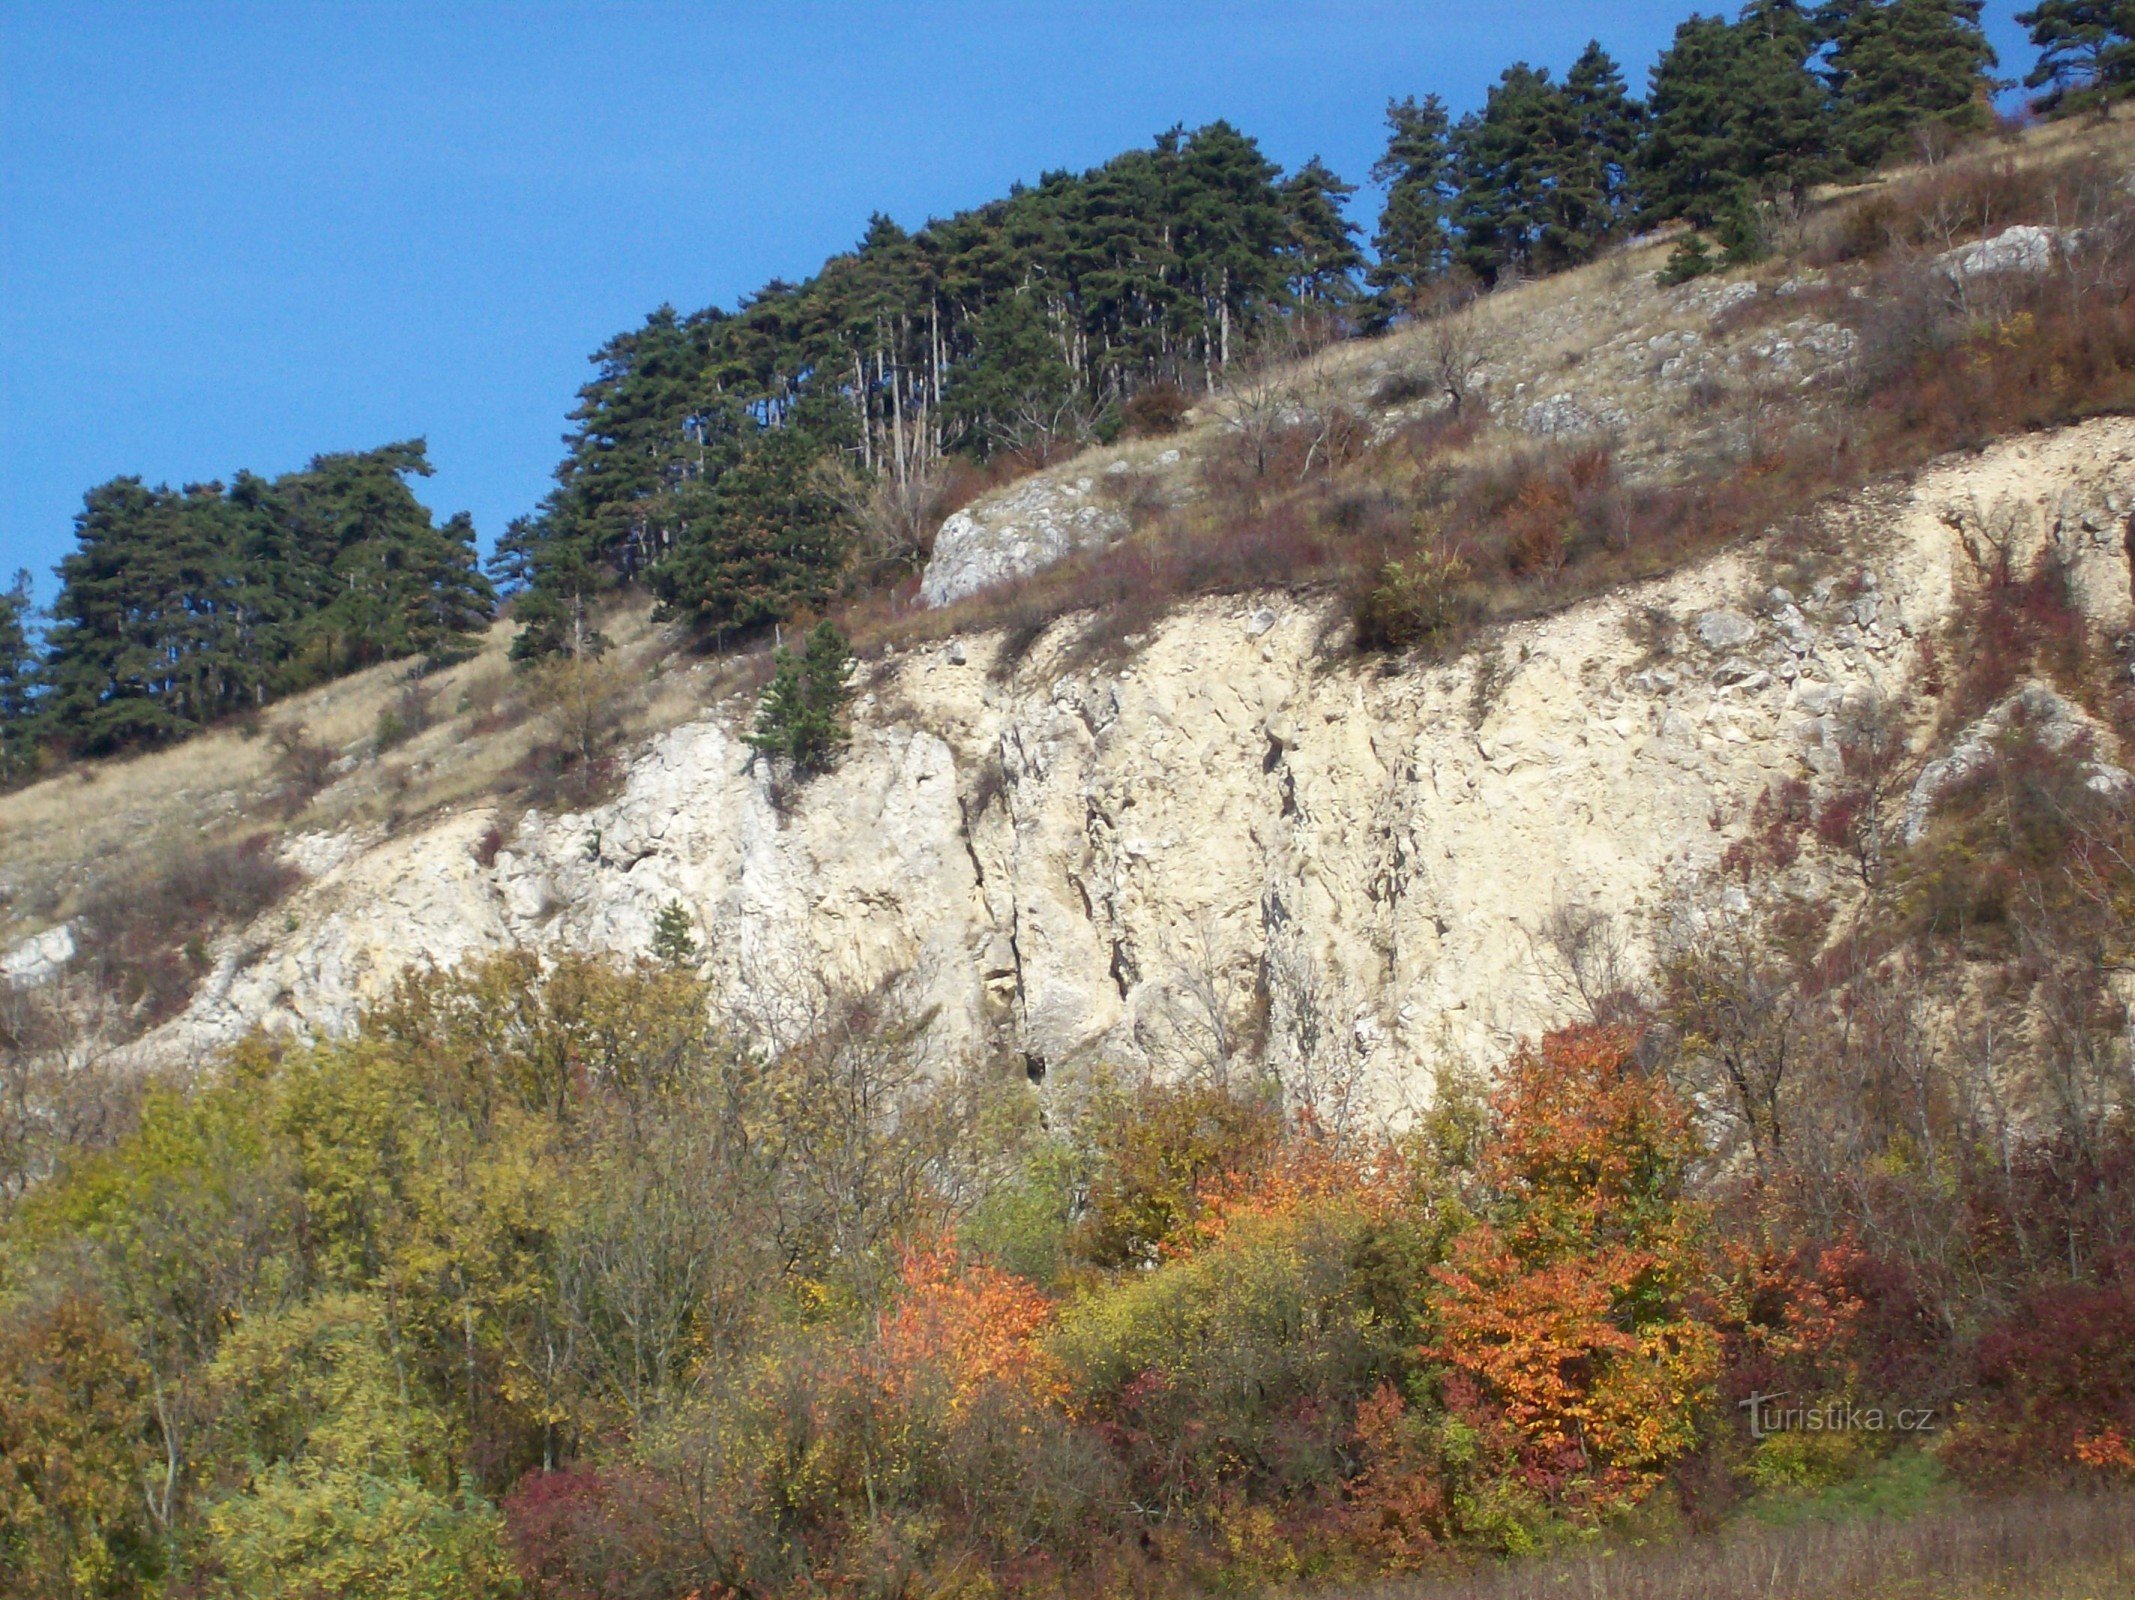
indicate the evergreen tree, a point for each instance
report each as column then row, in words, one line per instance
column 1595, row 184
column 1321, row 256
column 18, row 682
column 2086, row 52
column 1007, row 327
column 801, row 717
column 179, row 606
column 1413, row 245
column 1018, row 390
column 763, row 541
column 1734, row 111
column 1897, row 66
column 674, row 938
column 1505, row 159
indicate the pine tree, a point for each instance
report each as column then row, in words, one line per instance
column 1413, row 244
column 2086, row 52
column 762, row 542
column 1018, row 392
column 674, row 938
column 18, row 682
column 1734, row 111
column 1502, row 158
column 1898, row 66
column 1594, row 182
column 179, row 606
column 1320, row 256
column 801, row 717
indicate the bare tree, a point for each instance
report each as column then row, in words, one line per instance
column 1206, row 1004
column 1318, row 1051
column 1258, row 400
column 893, row 514
column 1455, row 354
column 1740, row 1021
column 1586, row 959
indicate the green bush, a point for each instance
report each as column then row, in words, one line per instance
column 801, row 717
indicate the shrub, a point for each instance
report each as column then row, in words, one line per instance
column 301, row 764
column 74, row 1449
column 1421, row 601
column 147, row 939
column 1156, row 409
column 1568, row 1309
column 800, row 719
column 2056, row 1384
column 1158, row 1152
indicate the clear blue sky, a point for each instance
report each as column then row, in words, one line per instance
column 238, row 235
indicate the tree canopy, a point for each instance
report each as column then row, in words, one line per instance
column 178, row 606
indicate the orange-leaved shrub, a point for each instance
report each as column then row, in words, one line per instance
column 1571, row 1307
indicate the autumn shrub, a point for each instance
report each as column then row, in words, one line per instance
column 1571, row 1308
column 1233, row 1367
column 1157, row 1150
column 352, row 1487
column 2054, row 1389
column 302, row 765
column 74, row 1446
column 594, row 1533
column 1422, row 600
column 1155, row 409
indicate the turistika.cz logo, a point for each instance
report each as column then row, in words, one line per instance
column 1768, row 1416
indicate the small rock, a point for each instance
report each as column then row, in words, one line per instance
column 955, row 653
column 1722, row 629
column 1259, row 623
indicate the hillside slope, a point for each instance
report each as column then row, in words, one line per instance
column 1197, row 824
column 1079, row 863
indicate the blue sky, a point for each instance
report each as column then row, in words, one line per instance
column 237, row 235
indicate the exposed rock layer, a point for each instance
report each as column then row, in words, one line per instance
column 1084, row 863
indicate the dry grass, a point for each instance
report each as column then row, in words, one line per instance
column 69, row 840
column 2048, row 1547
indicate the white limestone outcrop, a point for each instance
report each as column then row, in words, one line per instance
column 1078, row 863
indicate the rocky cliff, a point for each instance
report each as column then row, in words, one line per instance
column 1236, row 826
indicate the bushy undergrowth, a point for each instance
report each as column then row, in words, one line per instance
column 145, row 940
column 546, row 1281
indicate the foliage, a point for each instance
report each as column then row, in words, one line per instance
column 2086, row 52
column 348, row 1483
column 179, row 606
column 74, row 1443
column 2057, row 1389
column 800, row 719
column 1414, row 243
column 1569, row 1306
column 1420, row 601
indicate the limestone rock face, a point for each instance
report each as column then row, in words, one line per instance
column 1016, row 533
column 1103, row 862
column 2023, row 248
